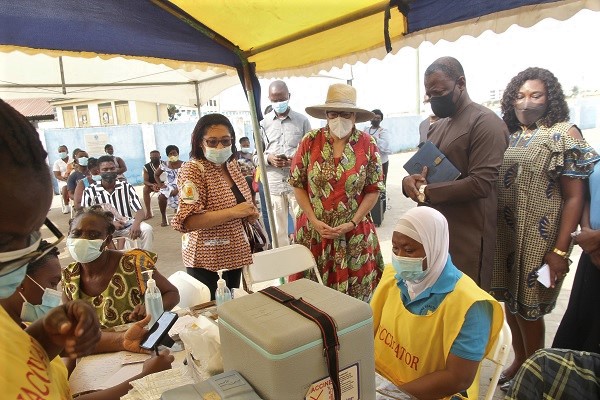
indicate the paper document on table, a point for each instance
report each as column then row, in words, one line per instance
column 101, row 371
column 386, row 390
column 151, row 387
column 180, row 325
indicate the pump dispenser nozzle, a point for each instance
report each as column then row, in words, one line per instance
column 222, row 293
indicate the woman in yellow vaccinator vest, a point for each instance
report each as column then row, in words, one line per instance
column 432, row 324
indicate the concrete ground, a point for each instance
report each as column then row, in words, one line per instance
column 167, row 246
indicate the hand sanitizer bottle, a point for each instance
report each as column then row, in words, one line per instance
column 222, row 294
column 152, row 299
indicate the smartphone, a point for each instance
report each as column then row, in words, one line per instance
column 544, row 275
column 158, row 331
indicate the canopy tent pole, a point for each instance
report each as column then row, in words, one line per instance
column 197, row 98
column 191, row 21
column 258, row 142
column 62, row 75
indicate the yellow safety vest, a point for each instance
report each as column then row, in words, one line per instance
column 409, row 346
column 25, row 370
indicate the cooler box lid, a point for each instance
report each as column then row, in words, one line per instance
column 279, row 332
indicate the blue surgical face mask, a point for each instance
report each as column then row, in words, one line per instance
column 11, row 276
column 409, row 268
column 97, row 178
column 83, row 161
column 50, row 299
column 217, row 156
column 280, row 106
column 63, row 154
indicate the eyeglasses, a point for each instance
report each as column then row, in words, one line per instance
column 10, row 266
column 214, row 142
column 335, row 114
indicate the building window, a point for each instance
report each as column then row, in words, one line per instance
column 69, row 117
column 83, row 116
column 122, row 110
column 106, row 114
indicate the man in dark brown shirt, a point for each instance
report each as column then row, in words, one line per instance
column 474, row 139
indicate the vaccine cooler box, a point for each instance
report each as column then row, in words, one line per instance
column 280, row 352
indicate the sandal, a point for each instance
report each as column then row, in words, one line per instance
column 504, row 378
column 506, row 385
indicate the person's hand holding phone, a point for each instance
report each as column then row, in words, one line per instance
column 279, row 160
column 134, row 336
column 158, row 363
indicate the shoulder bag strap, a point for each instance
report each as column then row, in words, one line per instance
column 325, row 323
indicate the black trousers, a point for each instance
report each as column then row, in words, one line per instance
column 580, row 326
column 210, row 278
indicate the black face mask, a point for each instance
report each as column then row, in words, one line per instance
column 443, row 106
column 375, row 123
column 109, row 177
column 529, row 113
column 155, row 160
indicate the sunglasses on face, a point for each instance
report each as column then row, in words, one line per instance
column 214, row 142
column 335, row 114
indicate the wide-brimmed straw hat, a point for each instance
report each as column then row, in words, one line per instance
column 341, row 98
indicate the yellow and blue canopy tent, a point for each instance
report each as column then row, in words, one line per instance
column 209, row 42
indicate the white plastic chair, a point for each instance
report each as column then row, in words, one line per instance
column 499, row 356
column 278, row 263
column 191, row 291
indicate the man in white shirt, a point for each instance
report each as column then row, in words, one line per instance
column 381, row 136
column 60, row 173
column 122, row 196
column 283, row 129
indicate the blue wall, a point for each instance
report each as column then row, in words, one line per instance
column 127, row 141
column 177, row 133
column 404, row 131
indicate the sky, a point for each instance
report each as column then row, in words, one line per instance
column 395, row 84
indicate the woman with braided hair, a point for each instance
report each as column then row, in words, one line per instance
column 111, row 281
column 72, row 327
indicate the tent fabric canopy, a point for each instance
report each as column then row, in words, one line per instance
column 39, row 76
column 283, row 38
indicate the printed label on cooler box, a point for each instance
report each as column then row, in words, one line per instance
column 349, row 383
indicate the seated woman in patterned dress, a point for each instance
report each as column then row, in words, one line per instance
column 169, row 193
column 111, row 281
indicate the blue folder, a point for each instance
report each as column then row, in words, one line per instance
column 439, row 168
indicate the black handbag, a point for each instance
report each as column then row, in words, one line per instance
column 257, row 238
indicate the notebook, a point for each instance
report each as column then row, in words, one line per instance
column 439, row 168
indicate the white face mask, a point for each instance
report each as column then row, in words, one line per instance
column 340, row 127
column 84, row 250
column 217, row 156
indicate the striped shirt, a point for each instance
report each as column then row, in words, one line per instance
column 123, row 198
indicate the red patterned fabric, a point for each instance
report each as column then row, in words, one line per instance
column 352, row 264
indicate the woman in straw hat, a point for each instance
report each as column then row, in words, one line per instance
column 337, row 176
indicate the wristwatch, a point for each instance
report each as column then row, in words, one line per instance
column 421, row 196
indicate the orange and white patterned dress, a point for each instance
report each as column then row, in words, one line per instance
column 202, row 189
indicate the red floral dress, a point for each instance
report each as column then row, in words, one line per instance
column 336, row 186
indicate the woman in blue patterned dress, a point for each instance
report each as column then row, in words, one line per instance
column 541, row 189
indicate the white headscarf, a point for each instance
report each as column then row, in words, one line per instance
column 430, row 228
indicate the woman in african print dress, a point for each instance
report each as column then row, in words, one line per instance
column 337, row 176
column 541, row 188
column 110, row 281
